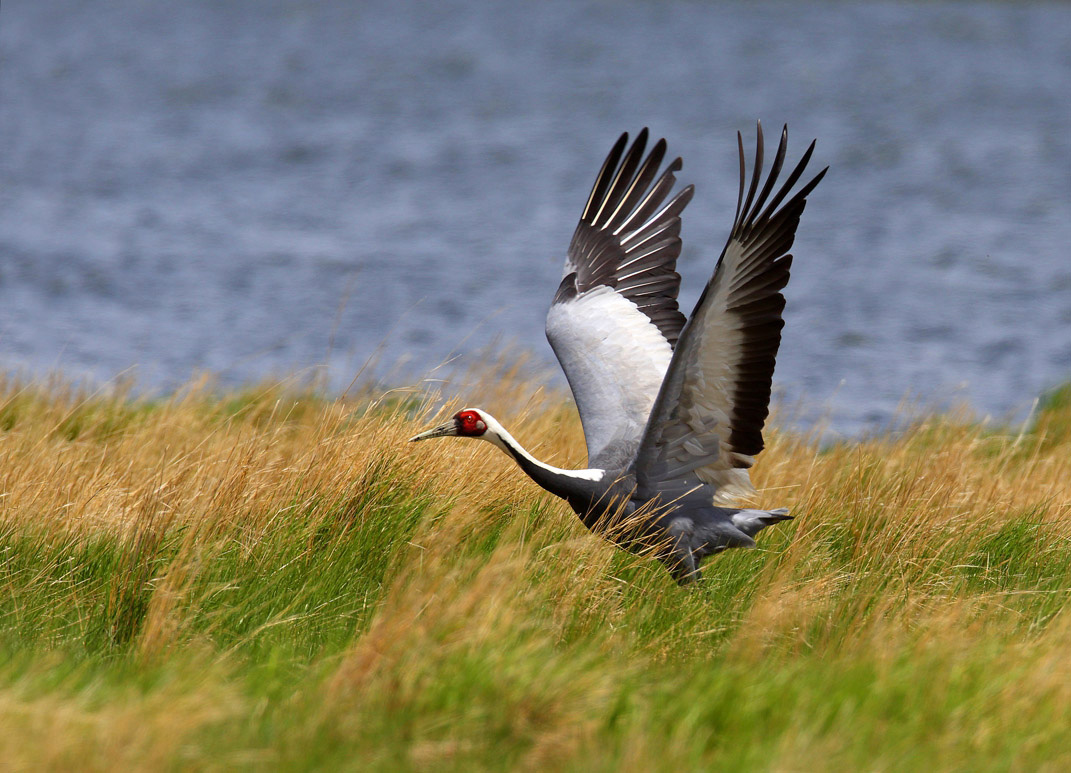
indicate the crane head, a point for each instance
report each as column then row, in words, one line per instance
column 466, row 423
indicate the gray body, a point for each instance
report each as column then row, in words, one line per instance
column 680, row 532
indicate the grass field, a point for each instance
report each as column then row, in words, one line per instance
column 272, row 580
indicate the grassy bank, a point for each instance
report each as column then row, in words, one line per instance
column 272, row 580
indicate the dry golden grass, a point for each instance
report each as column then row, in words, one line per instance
column 269, row 578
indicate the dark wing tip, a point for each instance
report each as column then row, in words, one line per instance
column 763, row 232
column 628, row 230
column 602, row 179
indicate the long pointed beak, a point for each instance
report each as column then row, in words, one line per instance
column 443, row 430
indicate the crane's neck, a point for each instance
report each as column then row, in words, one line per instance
column 567, row 484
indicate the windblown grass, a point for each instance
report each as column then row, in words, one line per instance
column 274, row 580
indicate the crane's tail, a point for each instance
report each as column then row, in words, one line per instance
column 751, row 522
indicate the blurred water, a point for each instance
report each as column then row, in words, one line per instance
column 256, row 188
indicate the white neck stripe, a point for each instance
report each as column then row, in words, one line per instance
column 498, row 435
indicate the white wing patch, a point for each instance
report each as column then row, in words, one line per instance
column 615, row 359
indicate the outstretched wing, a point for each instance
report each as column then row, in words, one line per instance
column 706, row 425
column 614, row 320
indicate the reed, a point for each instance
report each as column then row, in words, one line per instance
column 271, row 579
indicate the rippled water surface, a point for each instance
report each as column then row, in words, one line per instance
column 258, row 188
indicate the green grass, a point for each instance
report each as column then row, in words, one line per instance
column 272, row 580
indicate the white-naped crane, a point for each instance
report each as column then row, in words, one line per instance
column 672, row 410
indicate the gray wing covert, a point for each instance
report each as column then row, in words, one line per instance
column 706, row 425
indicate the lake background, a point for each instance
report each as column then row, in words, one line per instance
column 258, row 189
